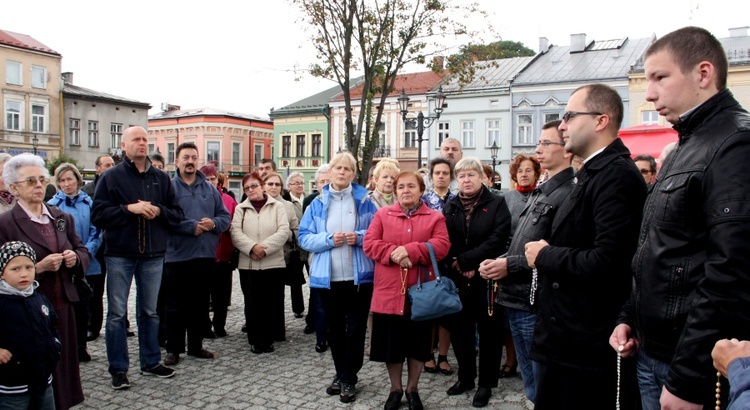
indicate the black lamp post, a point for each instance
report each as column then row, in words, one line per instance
column 493, row 154
column 421, row 121
column 35, row 143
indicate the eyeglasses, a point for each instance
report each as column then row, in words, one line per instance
column 570, row 114
column 273, row 183
column 646, row 171
column 546, row 144
column 32, row 181
column 251, row 186
column 296, row 183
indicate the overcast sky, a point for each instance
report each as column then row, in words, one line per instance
column 240, row 55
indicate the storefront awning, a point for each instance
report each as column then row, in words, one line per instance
column 647, row 139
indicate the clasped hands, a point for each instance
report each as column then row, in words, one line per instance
column 258, row 252
column 204, row 225
column 401, row 257
column 145, row 209
column 53, row 261
column 339, row 238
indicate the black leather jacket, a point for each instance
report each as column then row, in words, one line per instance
column 692, row 266
column 534, row 224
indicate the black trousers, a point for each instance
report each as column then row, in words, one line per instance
column 263, row 291
column 220, row 289
column 185, row 297
column 346, row 307
column 465, row 325
column 81, row 312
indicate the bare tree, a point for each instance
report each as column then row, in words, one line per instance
column 374, row 40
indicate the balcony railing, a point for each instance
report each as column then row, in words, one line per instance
column 382, row 152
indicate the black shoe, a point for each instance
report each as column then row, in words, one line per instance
column 221, row 332
column 120, row 381
column 430, row 369
column 244, row 328
column 268, row 349
column 321, row 347
column 90, row 336
column 482, row 397
column 309, row 329
column 444, row 371
column 394, row 400
column 415, row 403
column 334, row 388
column 348, row 393
column 171, row 359
column 257, row 349
column 83, row 355
column 208, row 334
column 299, row 315
column 201, row 354
column 160, row 371
column 460, row 387
column 507, row 371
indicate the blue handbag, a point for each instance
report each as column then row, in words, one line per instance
column 435, row 298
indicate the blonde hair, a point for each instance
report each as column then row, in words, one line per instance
column 343, row 156
column 385, row 166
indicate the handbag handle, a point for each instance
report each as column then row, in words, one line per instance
column 431, row 250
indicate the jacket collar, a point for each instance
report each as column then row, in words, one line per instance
column 613, row 151
column 560, row 178
column 704, row 112
column 246, row 203
column 358, row 192
column 199, row 179
column 396, row 210
column 131, row 165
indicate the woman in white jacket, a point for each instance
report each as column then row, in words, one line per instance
column 260, row 229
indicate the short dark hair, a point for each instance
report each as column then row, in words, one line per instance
column 185, row 145
column 267, row 160
column 440, row 160
column 553, row 124
column 99, row 159
column 604, row 99
column 691, row 45
column 155, row 156
column 649, row 158
column 416, row 175
column 251, row 175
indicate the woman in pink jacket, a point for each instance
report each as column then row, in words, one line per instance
column 396, row 240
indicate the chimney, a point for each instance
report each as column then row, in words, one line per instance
column 577, row 42
column 438, row 63
column 67, row 78
column 738, row 31
column 543, row 44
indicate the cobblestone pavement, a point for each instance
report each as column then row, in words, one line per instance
column 293, row 377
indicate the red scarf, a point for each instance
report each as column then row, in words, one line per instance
column 525, row 190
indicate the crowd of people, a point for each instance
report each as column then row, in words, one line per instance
column 614, row 283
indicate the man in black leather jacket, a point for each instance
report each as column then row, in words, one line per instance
column 692, row 265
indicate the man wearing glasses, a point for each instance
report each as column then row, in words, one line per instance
column 584, row 267
column 136, row 206
column 647, row 165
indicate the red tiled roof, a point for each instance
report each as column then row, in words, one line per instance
column 24, row 41
column 413, row 83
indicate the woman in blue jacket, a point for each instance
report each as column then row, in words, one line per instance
column 72, row 200
column 333, row 229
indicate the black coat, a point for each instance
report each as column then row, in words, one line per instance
column 692, row 268
column 584, row 276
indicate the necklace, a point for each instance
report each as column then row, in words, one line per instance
column 404, row 274
column 491, row 290
column 141, row 235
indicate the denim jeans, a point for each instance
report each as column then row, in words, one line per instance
column 652, row 374
column 522, row 329
column 120, row 273
column 41, row 400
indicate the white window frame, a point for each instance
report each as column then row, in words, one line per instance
column 93, row 134
column 649, row 117
column 524, row 130
column 286, row 146
column 39, row 121
column 443, row 132
column 493, row 132
column 17, row 115
column 301, row 152
column 209, row 152
column 468, row 133
column 13, row 67
column 551, row 116
column 410, row 135
column 170, row 153
column 115, row 135
column 236, row 153
column 316, row 145
column 257, row 154
column 38, row 77
column 75, row 131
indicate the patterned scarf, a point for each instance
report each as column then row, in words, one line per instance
column 469, row 203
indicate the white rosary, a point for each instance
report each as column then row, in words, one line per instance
column 619, row 359
column 534, row 283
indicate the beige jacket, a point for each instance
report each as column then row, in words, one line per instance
column 269, row 227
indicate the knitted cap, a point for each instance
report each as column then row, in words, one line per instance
column 12, row 249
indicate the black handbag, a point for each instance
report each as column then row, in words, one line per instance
column 83, row 287
column 435, row 298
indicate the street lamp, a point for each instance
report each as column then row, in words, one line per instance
column 421, row 121
column 493, row 154
column 34, row 143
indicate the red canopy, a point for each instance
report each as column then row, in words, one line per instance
column 647, row 139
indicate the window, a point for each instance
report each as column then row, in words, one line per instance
column 13, row 115
column 467, row 134
column 524, row 130
column 443, row 132
column 38, row 77
column 170, row 153
column 649, row 118
column 13, row 73
column 38, row 114
column 316, row 145
column 286, row 146
column 212, row 152
column 75, row 131
column 257, row 154
column 551, row 117
column 236, row 149
column 115, row 131
column 151, row 148
column 300, row 146
column 94, row 134
column 410, row 135
column 493, row 133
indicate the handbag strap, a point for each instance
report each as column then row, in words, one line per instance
column 433, row 259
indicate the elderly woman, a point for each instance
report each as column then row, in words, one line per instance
column 72, row 200
column 396, row 242
column 479, row 225
column 60, row 256
column 260, row 228
column 525, row 172
column 295, row 185
column 383, row 176
column 333, row 228
column 7, row 200
column 273, row 185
